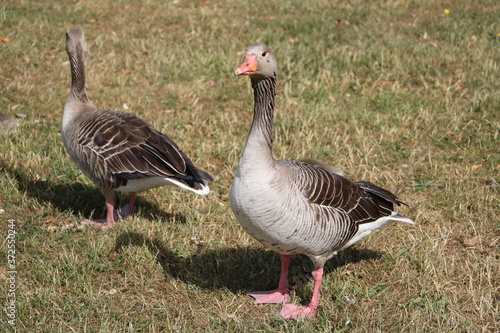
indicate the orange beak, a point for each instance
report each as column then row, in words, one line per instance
column 248, row 66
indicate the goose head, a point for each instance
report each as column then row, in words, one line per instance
column 258, row 63
column 76, row 46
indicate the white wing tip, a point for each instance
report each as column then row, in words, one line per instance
column 204, row 191
column 396, row 217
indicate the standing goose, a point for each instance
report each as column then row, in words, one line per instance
column 116, row 150
column 294, row 207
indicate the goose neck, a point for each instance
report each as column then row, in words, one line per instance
column 260, row 138
column 77, row 63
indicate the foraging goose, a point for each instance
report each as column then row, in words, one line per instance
column 119, row 151
column 8, row 124
column 294, row 207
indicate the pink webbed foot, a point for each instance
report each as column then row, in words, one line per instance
column 109, row 222
column 270, row 297
column 297, row 312
column 127, row 209
column 279, row 295
column 123, row 212
column 115, row 214
column 305, row 312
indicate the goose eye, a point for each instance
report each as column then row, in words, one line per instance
column 264, row 54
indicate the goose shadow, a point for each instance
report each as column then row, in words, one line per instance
column 240, row 269
column 79, row 198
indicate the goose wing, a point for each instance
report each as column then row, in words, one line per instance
column 361, row 201
column 123, row 146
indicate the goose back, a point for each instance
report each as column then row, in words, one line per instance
column 112, row 147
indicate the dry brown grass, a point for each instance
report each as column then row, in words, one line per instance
column 396, row 92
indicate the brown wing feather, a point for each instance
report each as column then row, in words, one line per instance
column 127, row 147
column 362, row 201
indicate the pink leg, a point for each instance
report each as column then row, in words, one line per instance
column 110, row 219
column 302, row 312
column 128, row 209
column 277, row 296
column 112, row 215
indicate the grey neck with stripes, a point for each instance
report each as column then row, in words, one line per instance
column 77, row 61
column 260, row 139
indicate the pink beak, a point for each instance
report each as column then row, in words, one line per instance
column 248, row 65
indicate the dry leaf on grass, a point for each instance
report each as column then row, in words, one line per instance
column 53, row 221
column 108, row 292
column 79, row 226
column 473, row 241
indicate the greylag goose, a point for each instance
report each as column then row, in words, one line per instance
column 116, row 150
column 8, row 124
column 293, row 207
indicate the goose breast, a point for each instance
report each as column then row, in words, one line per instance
column 277, row 209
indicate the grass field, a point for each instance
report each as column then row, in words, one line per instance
column 405, row 94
